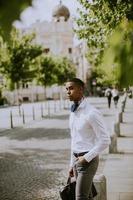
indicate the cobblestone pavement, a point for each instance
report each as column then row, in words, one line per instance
column 33, row 162
column 34, row 159
column 27, row 176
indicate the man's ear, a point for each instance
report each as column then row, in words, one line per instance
column 81, row 89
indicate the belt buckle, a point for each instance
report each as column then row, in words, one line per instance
column 76, row 154
column 79, row 154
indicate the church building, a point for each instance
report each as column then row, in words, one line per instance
column 57, row 38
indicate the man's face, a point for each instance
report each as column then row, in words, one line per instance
column 74, row 92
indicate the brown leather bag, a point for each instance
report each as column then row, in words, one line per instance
column 68, row 192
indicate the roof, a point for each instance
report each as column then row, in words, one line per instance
column 61, row 11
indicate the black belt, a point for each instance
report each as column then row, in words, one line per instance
column 80, row 154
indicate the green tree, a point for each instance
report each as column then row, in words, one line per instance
column 10, row 11
column 117, row 62
column 65, row 70
column 18, row 58
column 98, row 21
column 47, row 71
column 54, row 70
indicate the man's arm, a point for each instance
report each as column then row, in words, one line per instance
column 101, row 134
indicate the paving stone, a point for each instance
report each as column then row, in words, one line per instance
column 34, row 159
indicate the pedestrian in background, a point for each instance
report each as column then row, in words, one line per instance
column 130, row 93
column 115, row 94
column 108, row 94
column 89, row 137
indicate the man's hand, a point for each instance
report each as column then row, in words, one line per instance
column 71, row 172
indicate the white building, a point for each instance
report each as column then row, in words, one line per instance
column 57, row 38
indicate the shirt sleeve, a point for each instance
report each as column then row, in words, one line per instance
column 73, row 159
column 102, row 136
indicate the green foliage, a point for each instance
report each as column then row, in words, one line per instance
column 117, row 62
column 18, row 57
column 97, row 22
column 54, row 70
column 47, row 71
column 10, row 11
column 21, row 61
column 4, row 55
column 65, row 70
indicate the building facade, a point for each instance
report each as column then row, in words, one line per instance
column 57, row 38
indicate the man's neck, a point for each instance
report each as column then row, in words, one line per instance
column 79, row 101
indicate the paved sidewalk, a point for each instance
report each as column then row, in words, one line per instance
column 119, row 167
column 34, row 159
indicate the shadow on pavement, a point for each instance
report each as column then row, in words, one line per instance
column 37, row 133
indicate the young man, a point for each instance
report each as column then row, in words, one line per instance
column 89, row 138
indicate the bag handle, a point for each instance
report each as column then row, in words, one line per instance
column 69, row 180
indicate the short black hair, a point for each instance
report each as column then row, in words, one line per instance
column 77, row 81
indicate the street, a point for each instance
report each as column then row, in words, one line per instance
column 34, row 158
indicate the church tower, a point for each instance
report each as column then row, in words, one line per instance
column 62, row 30
column 57, row 35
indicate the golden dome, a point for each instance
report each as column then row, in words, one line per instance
column 61, row 11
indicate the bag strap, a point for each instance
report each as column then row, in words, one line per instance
column 69, row 180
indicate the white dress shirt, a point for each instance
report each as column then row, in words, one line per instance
column 88, row 131
column 115, row 92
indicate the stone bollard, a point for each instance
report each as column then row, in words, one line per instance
column 100, row 184
column 117, row 128
column 122, row 106
column 33, row 113
column 120, row 116
column 123, row 102
column 42, row 111
column 11, row 119
column 23, row 116
column 113, row 144
column 48, row 108
column 117, row 123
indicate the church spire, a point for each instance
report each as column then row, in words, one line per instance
column 60, row 2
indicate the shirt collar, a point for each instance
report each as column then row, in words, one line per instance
column 81, row 103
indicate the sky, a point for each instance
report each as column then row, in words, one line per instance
column 42, row 10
